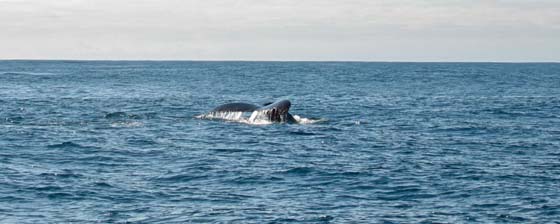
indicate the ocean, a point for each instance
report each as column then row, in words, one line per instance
column 120, row 142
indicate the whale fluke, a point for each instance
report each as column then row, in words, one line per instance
column 273, row 112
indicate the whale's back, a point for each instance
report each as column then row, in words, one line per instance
column 236, row 107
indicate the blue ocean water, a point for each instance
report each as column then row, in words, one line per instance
column 118, row 141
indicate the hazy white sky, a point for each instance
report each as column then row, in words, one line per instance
column 366, row 30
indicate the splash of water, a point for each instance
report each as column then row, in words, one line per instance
column 259, row 117
column 224, row 115
column 255, row 117
column 303, row 120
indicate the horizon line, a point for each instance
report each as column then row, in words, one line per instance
column 287, row 61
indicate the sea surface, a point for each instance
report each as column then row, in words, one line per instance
column 119, row 142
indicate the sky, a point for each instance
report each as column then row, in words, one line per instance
column 282, row 30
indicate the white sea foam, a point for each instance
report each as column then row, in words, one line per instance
column 127, row 124
column 254, row 118
column 303, row 120
column 224, row 115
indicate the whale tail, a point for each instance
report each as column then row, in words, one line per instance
column 277, row 112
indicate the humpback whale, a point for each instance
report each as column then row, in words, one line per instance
column 272, row 112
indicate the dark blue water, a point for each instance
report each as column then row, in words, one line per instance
column 106, row 142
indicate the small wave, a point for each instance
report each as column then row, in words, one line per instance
column 179, row 178
column 404, row 190
column 249, row 180
column 47, row 188
column 228, row 150
column 486, row 205
column 124, row 115
column 124, row 120
column 141, row 142
column 14, row 120
column 299, row 170
column 65, row 145
column 10, row 198
column 301, row 133
column 61, row 175
column 102, row 184
column 303, row 120
column 26, row 73
column 115, row 115
column 127, row 124
column 317, row 219
column 97, row 158
column 60, row 195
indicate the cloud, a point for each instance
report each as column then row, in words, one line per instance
column 268, row 29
